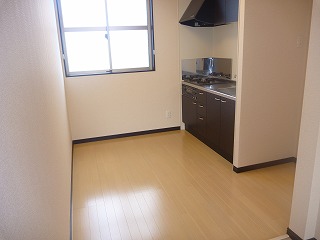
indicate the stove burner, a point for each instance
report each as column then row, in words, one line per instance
column 205, row 80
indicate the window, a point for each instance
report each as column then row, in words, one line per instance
column 106, row 36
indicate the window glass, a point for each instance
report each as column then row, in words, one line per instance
column 129, row 49
column 127, row 13
column 106, row 36
column 83, row 13
column 87, row 51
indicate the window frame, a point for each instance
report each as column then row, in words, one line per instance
column 108, row 29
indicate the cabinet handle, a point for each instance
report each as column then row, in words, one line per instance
column 201, row 119
column 201, row 106
column 223, row 101
column 194, row 103
column 217, row 99
column 200, row 93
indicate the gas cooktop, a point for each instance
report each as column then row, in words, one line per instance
column 201, row 80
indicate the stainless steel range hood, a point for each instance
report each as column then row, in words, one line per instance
column 204, row 13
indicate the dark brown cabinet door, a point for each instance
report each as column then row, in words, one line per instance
column 220, row 125
column 201, row 127
column 213, row 120
column 189, row 113
column 232, row 8
column 219, row 12
column 227, row 112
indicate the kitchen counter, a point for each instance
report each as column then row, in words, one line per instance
column 227, row 90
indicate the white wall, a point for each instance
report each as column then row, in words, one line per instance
column 35, row 144
column 122, row 103
column 225, row 44
column 306, row 195
column 271, row 79
column 195, row 42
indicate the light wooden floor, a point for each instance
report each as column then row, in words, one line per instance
column 171, row 186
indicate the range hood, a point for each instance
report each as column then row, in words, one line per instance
column 204, row 13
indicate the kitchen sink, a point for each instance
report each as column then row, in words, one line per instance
column 228, row 90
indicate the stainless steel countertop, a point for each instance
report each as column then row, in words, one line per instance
column 227, row 90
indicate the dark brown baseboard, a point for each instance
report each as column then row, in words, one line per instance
column 264, row 165
column 96, row 139
column 71, row 196
column 295, row 236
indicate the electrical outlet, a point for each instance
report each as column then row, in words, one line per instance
column 299, row 42
column 168, row 114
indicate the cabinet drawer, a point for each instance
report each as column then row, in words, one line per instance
column 201, row 122
column 201, row 109
column 201, row 126
column 201, row 97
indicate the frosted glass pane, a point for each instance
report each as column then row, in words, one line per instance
column 129, row 49
column 87, row 51
column 83, row 13
column 127, row 12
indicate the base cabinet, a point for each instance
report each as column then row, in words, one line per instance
column 189, row 113
column 210, row 118
column 220, row 125
column 213, row 121
column 194, row 113
column 232, row 8
column 201, row 115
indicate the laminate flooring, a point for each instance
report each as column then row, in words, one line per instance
column 171, row 186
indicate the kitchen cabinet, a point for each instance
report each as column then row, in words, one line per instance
column 201, row 115
column 220, row 125
column 227, row 112
column 225, row 11
column 210, row 118
column 232, row 9
column 213, row 120
column 194, row 111
column 189, row 113
column 219, row 12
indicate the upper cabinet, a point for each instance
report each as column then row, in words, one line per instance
column 225, row 11
column 219, row 12
column 232, row 8
column 210, row 13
